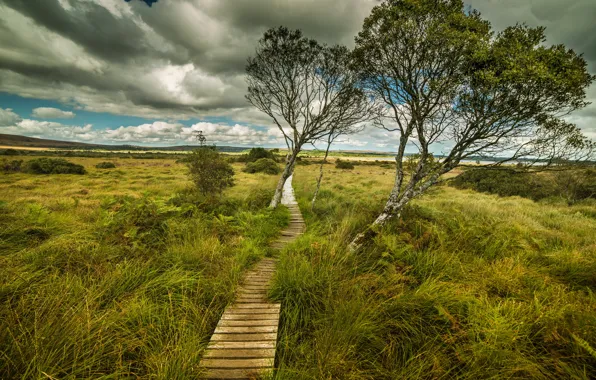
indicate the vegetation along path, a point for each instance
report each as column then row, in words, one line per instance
column 243, row 344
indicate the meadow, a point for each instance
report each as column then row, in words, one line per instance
column 465, row 285
column 123, row 273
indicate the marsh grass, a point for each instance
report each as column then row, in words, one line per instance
column 102, row 276
column 465, row 285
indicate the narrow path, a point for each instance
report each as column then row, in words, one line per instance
column 243, row 344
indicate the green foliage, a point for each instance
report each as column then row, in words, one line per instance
column 256, row 154
column 52, row 166
column 105, row 165
column 262, row 165
column 136, row 223
column 11, row 166
column 572, row 185
column 339, row 164
column 9, row 152
column 209, row 171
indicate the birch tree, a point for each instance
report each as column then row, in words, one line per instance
column 305, row 88
column 449, row 84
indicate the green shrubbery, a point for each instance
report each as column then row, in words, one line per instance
column 11, row 166
column 209, row 171
column 339, row 164
column 262, row 165
column 52, row 166
column 105, row 165
column 573, row 185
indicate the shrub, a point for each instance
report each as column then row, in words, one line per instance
column 12, row 166
column 52, row 166
column 572, row 185
column 136, row 223
column 9, row 152
column 209, row 171
column 256, row 154
column 105, row 165
column 339, row 164
column 263, row 165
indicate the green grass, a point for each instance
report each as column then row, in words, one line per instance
column 123, row 273
column 103, row 276
column 465, row 285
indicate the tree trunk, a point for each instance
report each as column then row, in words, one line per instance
column 288, row 170
column 392, row 209
column 314, row 198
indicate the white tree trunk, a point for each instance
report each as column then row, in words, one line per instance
column 314, row 198
column 288, row 170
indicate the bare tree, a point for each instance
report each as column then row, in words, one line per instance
column 305, row 88
column 448, row 84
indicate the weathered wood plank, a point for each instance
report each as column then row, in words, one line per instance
column 233, row 374
column 250, row 353
column 245, row 329
column 238, row 363
column 269, row 306
column 249, row 317
column 244, row 337
column 234, row 310
column 261, row 322
column 241, row 345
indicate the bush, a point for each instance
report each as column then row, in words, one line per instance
column 209, row 171
column 9, row 152
column 339, row 164
column 52, row 166
column 572, row 185
column 105, row 165
column 263, row 165
column 256, row 154
column 12, row 166
column 136, row 223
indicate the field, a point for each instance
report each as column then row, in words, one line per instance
column 119, row 273
column 102, row 277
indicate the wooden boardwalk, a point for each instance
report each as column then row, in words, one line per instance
column 244, row 342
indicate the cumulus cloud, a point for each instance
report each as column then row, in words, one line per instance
column 8, row 118
column 51, row 113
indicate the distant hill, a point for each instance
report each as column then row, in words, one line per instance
column 33, row 142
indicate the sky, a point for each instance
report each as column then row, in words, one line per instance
column 152, row 72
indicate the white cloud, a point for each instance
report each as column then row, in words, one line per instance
column 8, row 118
column 51, row 113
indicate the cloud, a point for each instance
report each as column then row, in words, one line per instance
column 8, row 118
column 183, row 59
column 51, row 113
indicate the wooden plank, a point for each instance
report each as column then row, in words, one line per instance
column 244, row 337
column 238, row 363
column 245, row 329
column 241, row 353
column 261, row 322
column 268, row 306
column 234, row 310
column 250, row 317
column 233, row 374
column 241, row 345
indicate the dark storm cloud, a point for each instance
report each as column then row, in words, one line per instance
column 89, row 25
column 148, row 2
column 186, row 58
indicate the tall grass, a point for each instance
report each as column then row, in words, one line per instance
column 465, row 285
column 104, row 276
